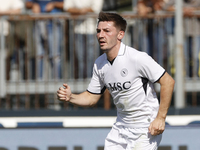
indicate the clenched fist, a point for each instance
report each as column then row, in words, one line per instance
column 64, row 93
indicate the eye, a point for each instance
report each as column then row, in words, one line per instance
column 98, row 31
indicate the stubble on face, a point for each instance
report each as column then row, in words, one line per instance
column 107, row 36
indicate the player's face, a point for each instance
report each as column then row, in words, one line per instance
column 107, row 35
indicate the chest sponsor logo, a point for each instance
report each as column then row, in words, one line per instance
column 117, row 86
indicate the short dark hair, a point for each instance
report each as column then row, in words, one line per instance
column 118, row 20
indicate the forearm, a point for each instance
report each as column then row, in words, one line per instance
column 167, row 86
column 165, row 101
column 166, row 92
column 84, row 99
column 58, row 5
column 10, row 12
column 79, row 11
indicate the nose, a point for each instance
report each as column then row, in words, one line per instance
column 100, row 34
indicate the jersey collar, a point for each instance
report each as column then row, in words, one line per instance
column 122, row 49
column 120, row 53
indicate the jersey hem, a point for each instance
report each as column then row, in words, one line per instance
column 137, row 125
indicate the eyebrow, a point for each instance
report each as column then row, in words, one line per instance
column 103, row 29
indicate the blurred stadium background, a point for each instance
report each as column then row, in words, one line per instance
column 31, row 117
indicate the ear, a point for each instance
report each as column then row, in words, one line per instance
column 120, row 35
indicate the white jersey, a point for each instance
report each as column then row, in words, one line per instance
column 130, row 81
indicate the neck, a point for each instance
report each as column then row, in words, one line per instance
column 113, row 52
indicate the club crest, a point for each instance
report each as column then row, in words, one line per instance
column 124, row 72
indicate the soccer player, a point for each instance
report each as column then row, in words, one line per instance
column 129, row 76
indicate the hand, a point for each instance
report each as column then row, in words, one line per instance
column 36, row 8
column 143, row 9
column 64, row 94
column 157, row 126
column 188, row 11
column 49, row 7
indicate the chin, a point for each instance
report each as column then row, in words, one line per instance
column 104, row 49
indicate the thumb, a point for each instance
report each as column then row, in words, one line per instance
column 66, row 86
column 150, row 128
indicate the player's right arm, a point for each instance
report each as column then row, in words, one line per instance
column 84, row 99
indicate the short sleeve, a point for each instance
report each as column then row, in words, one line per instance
column 96, row 85
column 149, row 68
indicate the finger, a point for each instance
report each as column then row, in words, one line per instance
column 61, row 99
column 152, row 130
column 161, row 131
column 156, row 132
column 61, row 92
column 61, row 96
column 66, row 85
column 62, row 89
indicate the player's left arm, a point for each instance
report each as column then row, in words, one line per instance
column 166, row 91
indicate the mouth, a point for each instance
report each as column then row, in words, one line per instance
column 102, row 42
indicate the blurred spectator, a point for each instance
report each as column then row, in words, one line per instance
column 85, row 34
column 153, row 39
column 48, row 37
column 152, row 6
column 189, row 6
column 9, row 7
column 149, row 6
column 191, row 29
column 192, row 34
